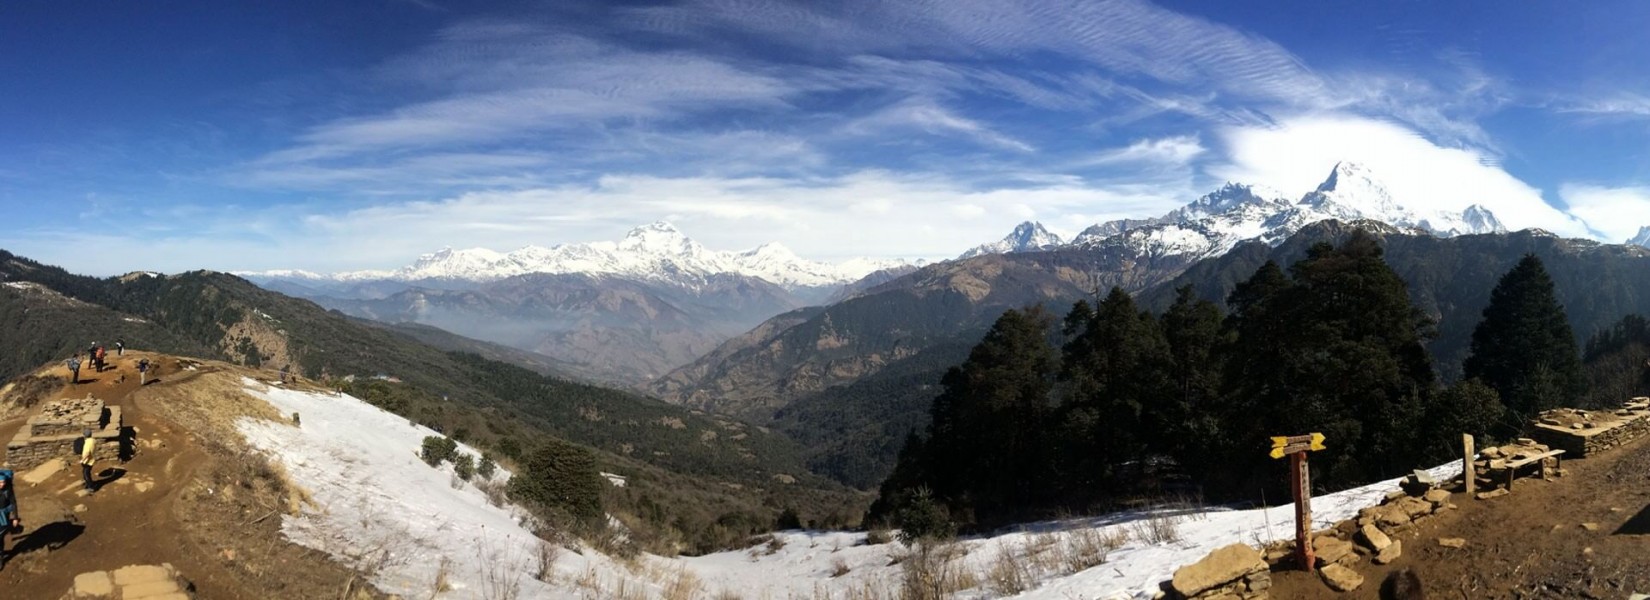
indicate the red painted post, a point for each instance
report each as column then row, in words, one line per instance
column 1300, row 482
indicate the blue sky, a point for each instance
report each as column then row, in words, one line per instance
column 343, row 135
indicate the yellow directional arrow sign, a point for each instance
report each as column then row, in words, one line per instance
column 1285, row 445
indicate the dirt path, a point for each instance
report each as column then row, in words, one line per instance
column 1584, row 535
column 148, row 510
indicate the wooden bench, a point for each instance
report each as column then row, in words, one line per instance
column 1513, row 466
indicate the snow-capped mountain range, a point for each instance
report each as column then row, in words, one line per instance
column 655, row 252
column 1213, row 224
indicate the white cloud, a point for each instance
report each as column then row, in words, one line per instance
column 922, row 115
column 1297, row 154
column 1621, row 104
column 866, row 213
column 1616, row 213
column 1176, row 150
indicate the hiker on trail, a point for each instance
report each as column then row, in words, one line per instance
column 86, row 445
column 11, row 521
column 74, row 368
column 286, row 371
column 120, row 347
column 143, row 372
column 100, row 359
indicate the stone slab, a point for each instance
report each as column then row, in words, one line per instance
column 95, row 584
column 136, row 574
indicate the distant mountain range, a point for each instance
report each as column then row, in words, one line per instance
column 654, row 253
column 620, row 312
column 805, row 352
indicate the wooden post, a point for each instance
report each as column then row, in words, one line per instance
column 1300, row 482
column 1467, row 455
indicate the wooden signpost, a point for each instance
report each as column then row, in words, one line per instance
column 1300, row 486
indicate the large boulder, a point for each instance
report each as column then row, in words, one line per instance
column 1340, row 579
column 1219, row 568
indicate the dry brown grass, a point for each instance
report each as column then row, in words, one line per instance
column 1159, row 527
column 28, row 391
column 683, row 585
column 934, row 571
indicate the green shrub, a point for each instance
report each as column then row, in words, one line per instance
column 559, row 475
column 921, row 517
column 464, row 466
column 437, row 449
column 486, row 467
column 788, row 519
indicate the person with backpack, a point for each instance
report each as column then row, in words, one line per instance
column 101, row 356
column 143, row 372
column 74, row 368
column 120, row 347
column 86, row 445
column 11, row 521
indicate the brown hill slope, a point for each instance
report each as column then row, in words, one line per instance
column 191, row 495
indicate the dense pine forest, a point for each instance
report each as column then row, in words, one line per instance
column 1111, row 403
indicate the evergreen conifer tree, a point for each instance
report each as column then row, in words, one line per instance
column 1116, row 375
column 1524, row 348
column 991, row 455
column 1336, row 349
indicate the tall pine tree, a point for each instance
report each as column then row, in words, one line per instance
column 987, row 451
column 1524, row 348
column 1115, row 371
column 1337, row 349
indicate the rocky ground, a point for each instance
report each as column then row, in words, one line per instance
column 169, row 505
column 1584, row 535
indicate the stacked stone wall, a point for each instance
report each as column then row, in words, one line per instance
column 52, row 434
column 1582, row 433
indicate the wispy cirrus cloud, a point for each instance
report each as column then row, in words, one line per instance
column 1176, row 150
column 928, row 117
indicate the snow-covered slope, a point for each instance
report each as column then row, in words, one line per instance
column 1643, row 238
column 1029, row 236
column 655, row 252
column 1213, row 224
column 375, row 504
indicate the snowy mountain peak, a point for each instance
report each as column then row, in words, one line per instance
column 1228, row 197
column 659, row 237
column 1029, row 236
column 653, row 252
column 1643, row 238
column 1481, row 220
column 1353, row 192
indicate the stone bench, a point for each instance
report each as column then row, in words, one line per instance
column 1512, row 467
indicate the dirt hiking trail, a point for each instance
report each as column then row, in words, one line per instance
column 1583, row 535
column 186, row 497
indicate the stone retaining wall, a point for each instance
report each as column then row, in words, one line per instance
column 52, row 434
column 1582, row 433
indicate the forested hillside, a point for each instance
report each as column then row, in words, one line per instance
column 697, row 480
column 1127, row 403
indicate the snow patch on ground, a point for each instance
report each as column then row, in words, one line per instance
column 377, row 505
column 804, row 564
